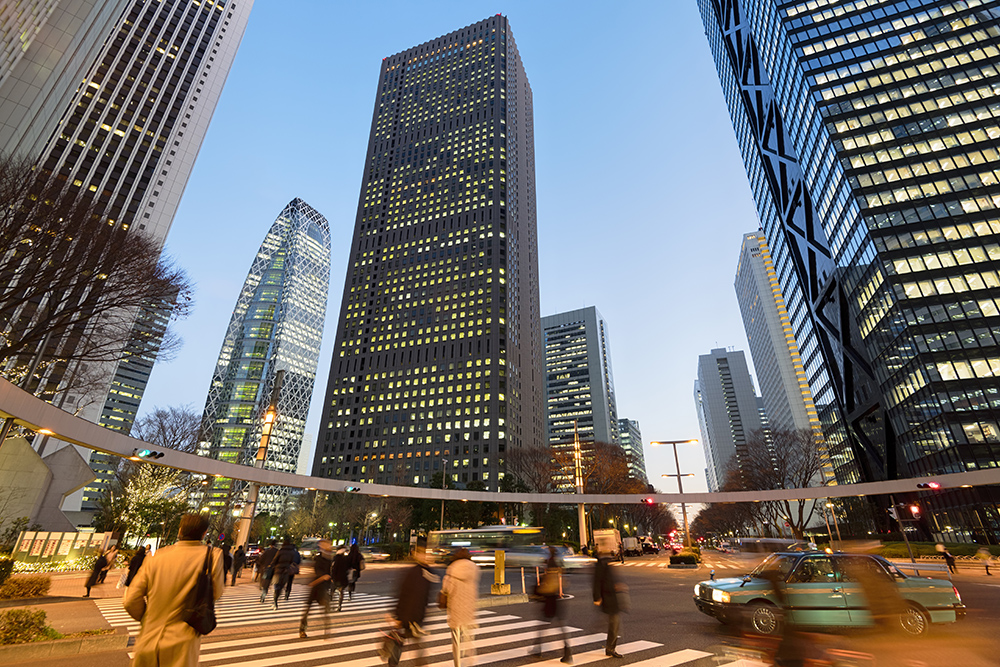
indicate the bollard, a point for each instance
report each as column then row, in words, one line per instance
column 499, row 587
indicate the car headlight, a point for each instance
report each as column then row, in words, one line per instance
column 697, row 590
column 720, row 596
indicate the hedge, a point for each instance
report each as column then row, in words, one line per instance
column 25, row 586
column 6, row 567
column 20, row 626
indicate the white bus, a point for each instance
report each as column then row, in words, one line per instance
column 520, row 543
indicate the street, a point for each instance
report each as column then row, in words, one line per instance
column 662, row 629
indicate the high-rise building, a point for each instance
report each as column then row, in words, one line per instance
column 438, row 349
column 114, row 98
column 277, row 325
column 729, row 411
column 869, row 131
column 784, row 386
column 630, row 439
column 579, row 386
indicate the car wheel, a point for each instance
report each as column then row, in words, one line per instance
column 913, row 621
column 764, row 618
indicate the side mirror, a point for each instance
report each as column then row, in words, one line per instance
column 746, row 578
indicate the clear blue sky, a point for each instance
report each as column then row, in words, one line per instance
column 642, row 197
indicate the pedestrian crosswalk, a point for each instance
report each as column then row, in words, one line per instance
column 241, row 607
column 500, row 638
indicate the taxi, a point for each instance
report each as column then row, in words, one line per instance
column 829, row 590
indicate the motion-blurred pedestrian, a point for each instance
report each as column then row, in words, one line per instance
column 340, row 575
column 986, row 557
column 284, row 563
column 110, row 558
column 355, row 563
column 265, row 567
column 227, row 562
column 411, row 606
column 548, row 592
column 134, row 564
column 950, row 561
column 160, row 591
column 292, row 571
column 606, row 597
column 319, row 589
column 461, row 589
column 100, row 563
column 239, row 560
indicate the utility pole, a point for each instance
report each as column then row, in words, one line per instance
column 680, row 483
column 270, row 417
column 581, row 514
column 444, row 479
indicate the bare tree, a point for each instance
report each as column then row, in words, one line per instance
column 779, row 459
column 72, row 280
column 534, row 465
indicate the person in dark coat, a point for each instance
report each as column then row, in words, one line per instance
column 355, row 561
column 100, row 563
column 319, row 589
column 606, row 597
column 339, row 573
column 292, row 571
column 411, row 605
column 239, row 560
column 134, row 564
column 110, row 557
column 548, row 592
column 265, row 567
column 227, row 562
column 284, row 563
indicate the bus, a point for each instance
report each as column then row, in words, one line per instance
column 771, row 544
column 520, row 543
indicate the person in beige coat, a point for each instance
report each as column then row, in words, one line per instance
column 461, row 585
column 160, row 591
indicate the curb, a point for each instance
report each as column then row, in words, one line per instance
column 502, row 600
column 60, row 648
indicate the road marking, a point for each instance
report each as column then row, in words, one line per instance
column 599, row 654
column 672, row 659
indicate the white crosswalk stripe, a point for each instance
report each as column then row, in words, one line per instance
column 501, row 637
column 241, row 607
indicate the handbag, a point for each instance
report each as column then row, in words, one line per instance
column 200, row 611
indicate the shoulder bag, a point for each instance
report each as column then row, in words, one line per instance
column 200, row 610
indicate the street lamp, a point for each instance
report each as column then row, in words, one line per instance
column 444, row 478
column 679, row 476
column 836, row 525
column 270, row 416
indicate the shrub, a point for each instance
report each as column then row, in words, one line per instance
column 19, row 626
column 685, row 558
column 399, row 551
column 6, row 567
column 25, row 586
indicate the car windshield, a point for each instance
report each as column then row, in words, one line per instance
column 779, row 563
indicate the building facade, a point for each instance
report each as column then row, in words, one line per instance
column 277, row 325
column 875, row 175
column 438, row 349
column 114, row 98
column 579, row 386
column 784, row 387
column 630, row 439
column 729, row 410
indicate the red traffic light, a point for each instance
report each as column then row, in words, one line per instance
column 915, row 510
column 928, row 485
column 649, row 501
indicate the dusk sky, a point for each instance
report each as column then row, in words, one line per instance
column 642, row 197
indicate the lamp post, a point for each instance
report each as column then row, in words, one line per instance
column 444, row 479
column 836, row 525
column 679, row 476
column 581, row 514
column 270, row 417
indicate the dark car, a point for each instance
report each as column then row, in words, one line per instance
column 650, row 548
column 825, row 590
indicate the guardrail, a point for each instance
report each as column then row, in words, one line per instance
column 917, row 568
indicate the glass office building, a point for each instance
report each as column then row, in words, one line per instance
column 277, row 324
column 438, row 350
column 870, row 135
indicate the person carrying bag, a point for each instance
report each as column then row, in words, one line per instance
column 173, row 596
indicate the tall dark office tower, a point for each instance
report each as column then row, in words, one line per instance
column 438, row 349
column 869, row 132
column 113, row 98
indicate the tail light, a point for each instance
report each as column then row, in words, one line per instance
column 957, row 594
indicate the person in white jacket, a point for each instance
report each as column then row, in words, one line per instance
column 461, row 586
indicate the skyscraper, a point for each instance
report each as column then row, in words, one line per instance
column 113, row 98
column 277, row 324
column 728, row 411
column 869, row 133
column 438, row 350
column 784, row 387
column 630, row 439
column 579, row 385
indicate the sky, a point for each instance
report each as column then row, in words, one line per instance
column 642, row 198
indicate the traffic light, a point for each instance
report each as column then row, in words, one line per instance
column 928, row 485
column 915, row 511
column 893, row 513
column 148, row 454
column 649, row 501
column 352, row 489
